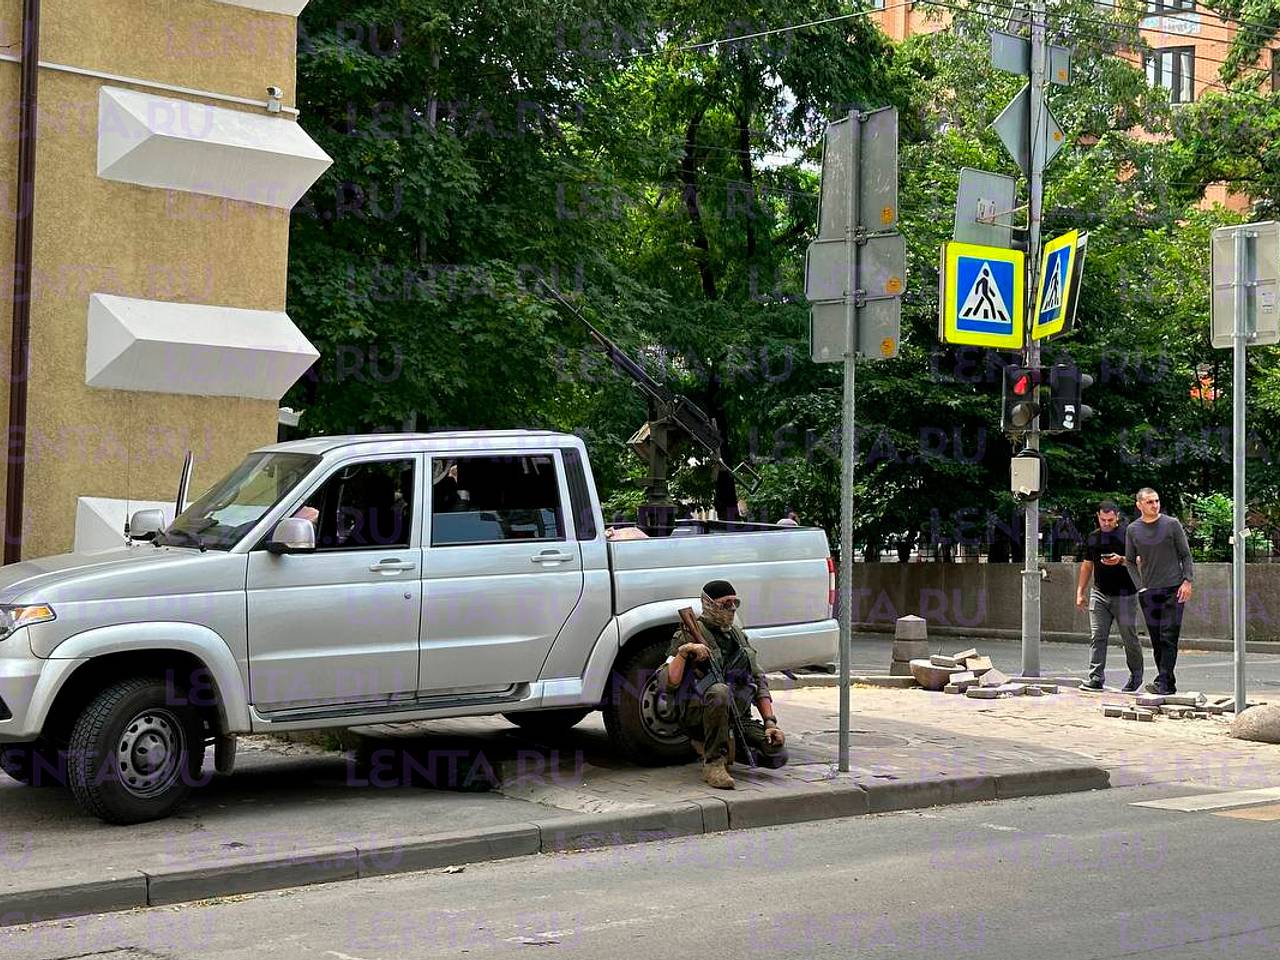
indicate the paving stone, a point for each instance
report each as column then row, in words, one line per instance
column 964, row 676
column 1145, row 715
column 940, row 660
column 1151, row 700
column 953, row 688
column 978, row 665
column 1033, row 692
column 984, row 693
column 993, row 678
column 1046, row 687
column 1013, row 689
column 1192, row 699
column 911, row 628
column 1111, row 710
column 964, row 655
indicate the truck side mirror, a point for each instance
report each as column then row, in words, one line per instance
column 293, row 535
column 145, row 524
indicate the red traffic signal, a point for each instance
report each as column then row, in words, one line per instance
column 1020, row 404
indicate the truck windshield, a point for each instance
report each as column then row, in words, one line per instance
column 234, row 504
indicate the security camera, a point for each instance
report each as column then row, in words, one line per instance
column 274, row 102
column 275, row 93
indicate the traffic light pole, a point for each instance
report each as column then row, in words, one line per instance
column 1038, row 128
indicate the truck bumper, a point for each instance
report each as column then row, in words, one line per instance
column 20, row 672
column 795, row 645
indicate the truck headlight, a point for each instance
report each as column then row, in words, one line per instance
column 13, row 617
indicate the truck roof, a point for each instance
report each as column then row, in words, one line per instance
column 475, row 439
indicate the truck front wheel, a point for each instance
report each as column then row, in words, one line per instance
column 630, row 711
column 136, row 751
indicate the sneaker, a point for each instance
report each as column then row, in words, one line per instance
column 1158, row 690
column 1134, row 684
column 1091, row 685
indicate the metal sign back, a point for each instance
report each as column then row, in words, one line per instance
column 1262, row 272
column 877, row 325
column 984, row 206
column 1013, row 127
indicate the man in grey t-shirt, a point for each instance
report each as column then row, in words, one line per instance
column 1159, row 560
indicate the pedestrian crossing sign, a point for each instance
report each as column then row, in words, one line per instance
column 983, row 293
column 1059, row 280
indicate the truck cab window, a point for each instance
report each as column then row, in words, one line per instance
column 495, row 499
column 363, row 505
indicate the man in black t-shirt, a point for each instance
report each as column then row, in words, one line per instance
column 1112, row 598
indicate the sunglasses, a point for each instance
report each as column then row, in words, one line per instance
column 729, row 603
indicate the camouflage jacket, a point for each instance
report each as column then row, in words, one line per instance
column 732, row 651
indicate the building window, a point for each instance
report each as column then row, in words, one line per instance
column 1157, row 8
column 1174, row 68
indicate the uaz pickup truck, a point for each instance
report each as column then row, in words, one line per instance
column 342, row 581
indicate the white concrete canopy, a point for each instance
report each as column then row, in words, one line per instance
column 100, row 520
column 193, row 348
column 196, row 147
column 291, row 7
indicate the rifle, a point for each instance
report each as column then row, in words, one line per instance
column 690, row 624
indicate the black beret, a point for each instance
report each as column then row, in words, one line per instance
column 717, row 589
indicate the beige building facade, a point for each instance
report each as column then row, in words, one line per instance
column 165, row 173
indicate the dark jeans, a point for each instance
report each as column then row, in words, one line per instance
column 707, row 719
column 1163, row 613
column 1121, row 609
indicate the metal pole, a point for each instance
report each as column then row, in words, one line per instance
column 1238, row 376
column 848, row 436
column 1038, row 128
column 20, row 338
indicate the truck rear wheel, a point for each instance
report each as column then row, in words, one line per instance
column 548, row 722
column 136, row 751
column 36, row 764
column 630, row 711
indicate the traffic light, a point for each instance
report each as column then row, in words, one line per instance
column 1065, row 412
column 1020, row 397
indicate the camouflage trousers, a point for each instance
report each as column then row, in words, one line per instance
column 707, row 719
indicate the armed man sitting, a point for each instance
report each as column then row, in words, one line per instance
column 713, row 699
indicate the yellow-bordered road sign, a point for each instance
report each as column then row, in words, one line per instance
column 1059, row 280
column 983, row 296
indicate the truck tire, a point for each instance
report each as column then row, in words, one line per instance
column 36, row 764
column 136, row 751
column 548, row 722
column 629, row 715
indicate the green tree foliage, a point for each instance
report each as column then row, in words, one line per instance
column 669, row 185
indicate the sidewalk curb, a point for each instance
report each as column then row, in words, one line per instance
column 555, row 834
column 1215, row 644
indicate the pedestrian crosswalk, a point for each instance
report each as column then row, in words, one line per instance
column 1261, row 804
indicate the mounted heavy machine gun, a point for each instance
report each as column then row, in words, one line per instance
column 672, row 418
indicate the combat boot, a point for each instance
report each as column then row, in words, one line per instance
column 715, row 774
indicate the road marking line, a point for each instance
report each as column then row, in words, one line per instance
column 1214, row 801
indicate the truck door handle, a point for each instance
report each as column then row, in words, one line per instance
column 552, row 556
column 391, row 565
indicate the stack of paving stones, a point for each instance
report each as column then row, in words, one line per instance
column 1175, row 706
column 910, row 642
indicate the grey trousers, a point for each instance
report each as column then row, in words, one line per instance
column 1123, row 611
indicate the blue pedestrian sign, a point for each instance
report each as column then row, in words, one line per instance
column 983, row 294
column 1059, row 284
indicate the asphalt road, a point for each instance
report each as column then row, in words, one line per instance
column 1072, row 877
column 1203, row 670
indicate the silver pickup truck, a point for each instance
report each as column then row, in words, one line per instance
column 342, row 581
